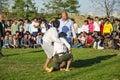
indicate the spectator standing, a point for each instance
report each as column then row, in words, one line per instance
column 34, row 27
column 85, row 27
column 8, row 26
column 26, row 25
column 14, row 27
column 91, row 26
column 20, row 25
column 108, row 28
column 75, row 26
column 66, row 25
column 2, row 33
column 101, row 25
column 43, row 26
column 97, row 26
column 117, row 26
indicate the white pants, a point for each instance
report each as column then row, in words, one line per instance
column 48, row 48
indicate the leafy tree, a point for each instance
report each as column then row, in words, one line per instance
column 4, row 6
column 24, row 9
column 56, row 6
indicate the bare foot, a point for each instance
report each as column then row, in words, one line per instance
column 46, row 68
column 50, row 69
column 67, row 70
column 62, row 69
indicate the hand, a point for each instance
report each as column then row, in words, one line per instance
column 69, row 52
column 75, row 39
column 2, row 38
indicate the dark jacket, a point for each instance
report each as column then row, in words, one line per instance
column 2, row 30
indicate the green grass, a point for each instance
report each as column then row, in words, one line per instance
column 88, row 64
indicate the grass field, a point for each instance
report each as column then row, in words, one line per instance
column 88, row 64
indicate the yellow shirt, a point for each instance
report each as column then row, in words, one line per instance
column 108, row 28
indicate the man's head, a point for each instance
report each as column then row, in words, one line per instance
column 56, row 23
column 62, row 34
column 64, row 15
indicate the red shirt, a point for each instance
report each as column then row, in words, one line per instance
column 101, row 28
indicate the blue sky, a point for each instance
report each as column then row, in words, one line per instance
column 86, row 6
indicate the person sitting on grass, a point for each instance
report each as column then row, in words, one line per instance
column 89, row 41
column 108, row 43
column 62, row 54
column 76, row 43
column 97, row 43
column 6, row 42
column 116, row 42
column 25, row 42
column 39, row 40
column 14, row 42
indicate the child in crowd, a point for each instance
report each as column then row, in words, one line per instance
column 6, row 42
column 39, row 40
column 108, row 28
column 108, row 43
column 85, row 27
column 89, row 41
column 25, row 42
column 97, row 43
column 14, row 42
column 82, row 38
column 117, row 42
column 76, row 44
column 32, row 41
column 91, row 26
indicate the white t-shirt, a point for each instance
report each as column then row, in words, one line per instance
column 43, row 28
column 82, row 39
column 60, row 48
column 96, row 26
column 33, row 28
column 51, row 36
column 85, row 28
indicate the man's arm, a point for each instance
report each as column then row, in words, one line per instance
column 1, row 32
column 66, row 43
column 55, row 36
column 73, row 30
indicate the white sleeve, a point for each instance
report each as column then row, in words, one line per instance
column 82, row 28
column 66, row 43
column 73, row 30
column 55, row 36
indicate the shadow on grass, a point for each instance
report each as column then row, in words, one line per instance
column 7, row 55
column 36, row 51
column 90, row 62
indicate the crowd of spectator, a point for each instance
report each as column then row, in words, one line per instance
column 97, row 33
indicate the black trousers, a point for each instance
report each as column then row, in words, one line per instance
column 1, row 44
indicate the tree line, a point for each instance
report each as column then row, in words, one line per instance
column 22, row 9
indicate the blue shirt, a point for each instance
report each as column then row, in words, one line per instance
column 67, row 27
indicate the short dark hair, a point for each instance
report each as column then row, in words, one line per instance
column 62, row 34
column 56, row 23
